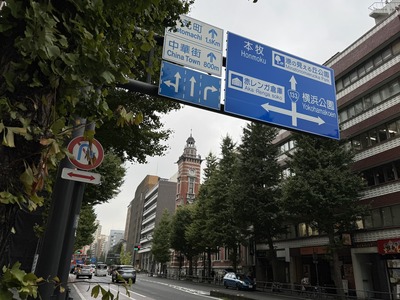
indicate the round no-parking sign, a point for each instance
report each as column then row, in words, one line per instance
column 86, row 156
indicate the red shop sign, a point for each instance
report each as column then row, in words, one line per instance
column 391, row 246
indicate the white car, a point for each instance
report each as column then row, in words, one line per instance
column 101, row 270
column 83, row 271
column 92, row 268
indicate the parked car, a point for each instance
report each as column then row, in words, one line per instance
column 83, row 271
column 125, row 272
column 92, row 268
column 101, row 270
column 239, row 281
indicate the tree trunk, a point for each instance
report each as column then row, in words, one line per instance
column 209, row 262
column 337, row 274
column 234, row 258
column 7, row 222
column 273, row 259
column 190, row 259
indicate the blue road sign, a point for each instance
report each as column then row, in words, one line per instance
column 194, row 44
column 189, row 86
column 275, row 87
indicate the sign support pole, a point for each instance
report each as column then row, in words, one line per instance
column 70, row 234
column 53, row 240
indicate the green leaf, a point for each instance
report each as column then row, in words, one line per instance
column 8, row 138
column 5, row 293
column 95, row 291
column 139, row 118
column 53, row 51
column 108, row 76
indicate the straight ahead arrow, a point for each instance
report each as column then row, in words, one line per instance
column 192, row 82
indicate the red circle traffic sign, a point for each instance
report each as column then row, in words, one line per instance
column 86, row 156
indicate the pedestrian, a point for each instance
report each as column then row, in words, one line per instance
column 212, row 275
column 305, row 283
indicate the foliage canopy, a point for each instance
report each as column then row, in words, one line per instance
column 63, row 60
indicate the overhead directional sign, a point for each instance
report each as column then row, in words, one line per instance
column 190, row 86
column 275, row 87
column 82, row 176
column 195, row 44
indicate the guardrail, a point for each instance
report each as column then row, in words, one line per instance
column 320, row 292
column 295, row 290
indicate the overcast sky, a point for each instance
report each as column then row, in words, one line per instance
column 311, row 29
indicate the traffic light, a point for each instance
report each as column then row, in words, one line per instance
column 136, row 248
column 78, row 252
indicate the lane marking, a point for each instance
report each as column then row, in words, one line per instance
column 78, row 291
column 184, row 289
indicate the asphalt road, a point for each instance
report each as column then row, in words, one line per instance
column 154, row 288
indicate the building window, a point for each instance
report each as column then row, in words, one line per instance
column 387, row 54
column 191, row 185
column 346, row 81
column 387, row 216
column 373, row 138
column 389, row 90
column 356, row 143
column 376, row 135
column 368, row 66
column 376, row 98
column 368, row 222
column 383, row 216
column 389, row 172
column 339, row 85
column 361, row 71
column 396, row 47
column 353, row 76
column 376, row 218
column 306, row 230
column 378, row 60
column 392, row 129
column 343, row 116
column 382, row 133
column 358, row 107
column 226, row 254
column 367, row 102
column 396, row 214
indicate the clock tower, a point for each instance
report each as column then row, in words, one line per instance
column 189, row 168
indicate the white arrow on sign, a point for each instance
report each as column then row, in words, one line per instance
column 176, row 84
column 293, row 83
column 292, row 113
column 192, row 82
column 294, row 96
column 81, row 176
column 209, row 88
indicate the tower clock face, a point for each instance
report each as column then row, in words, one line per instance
column 192, row 172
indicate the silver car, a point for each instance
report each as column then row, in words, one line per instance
column 124, row 272
column 83, row 271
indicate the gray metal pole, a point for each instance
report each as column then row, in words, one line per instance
column 69, row 240
column 53, row 239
